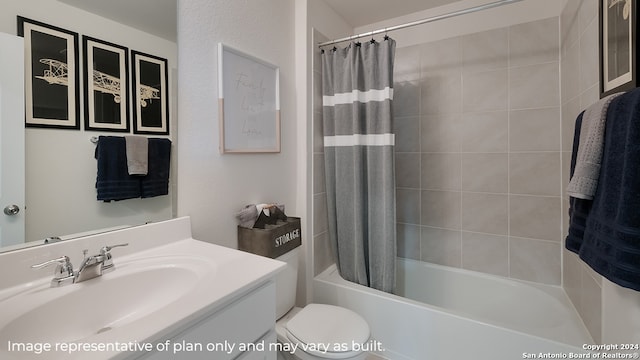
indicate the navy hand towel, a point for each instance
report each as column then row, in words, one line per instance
column 113, row 181
column 156, row 182
column 605, row 232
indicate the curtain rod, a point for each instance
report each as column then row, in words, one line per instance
column 420, row 22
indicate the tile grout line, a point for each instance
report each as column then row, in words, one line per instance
column 509, row 152
column 462, row 100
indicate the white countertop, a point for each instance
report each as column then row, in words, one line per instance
column 222, row 274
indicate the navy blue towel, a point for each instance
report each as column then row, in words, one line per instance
column 578, row 208
column 113, row 181
column 156, row 182
column 605, row 232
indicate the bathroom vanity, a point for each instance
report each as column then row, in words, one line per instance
column 169, row 297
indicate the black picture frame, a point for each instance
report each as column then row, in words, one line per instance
column 106, row 86
column 150, row 94
column 52, row 75
column 618, row 60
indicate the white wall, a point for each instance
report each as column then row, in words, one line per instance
column 324, row 19
column 60, row 167
column 507, row 15
column 212, row 187
column 303, row 176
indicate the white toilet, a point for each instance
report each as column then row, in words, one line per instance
column 319, row 331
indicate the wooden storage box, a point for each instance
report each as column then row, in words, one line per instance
column 273, row 241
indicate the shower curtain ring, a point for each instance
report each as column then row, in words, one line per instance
column 356, row 40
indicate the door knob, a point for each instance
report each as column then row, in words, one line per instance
column 11, row 210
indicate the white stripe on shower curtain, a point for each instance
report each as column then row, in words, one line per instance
column 359, row 139
column 360, row 96
column 357, row 88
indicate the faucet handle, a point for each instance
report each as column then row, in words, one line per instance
column 106, row 249
column 64, row 270
column 61, row 261
column 107, row 263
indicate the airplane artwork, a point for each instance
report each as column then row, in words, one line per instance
column 148, row 93
column 107, row 84
column 58, row 73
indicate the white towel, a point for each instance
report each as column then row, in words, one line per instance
column 137, row 154
column 247, row 216
column 584, row 181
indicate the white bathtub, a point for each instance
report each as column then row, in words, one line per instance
column 446, row 313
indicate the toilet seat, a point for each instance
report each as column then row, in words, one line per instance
column 327, row 324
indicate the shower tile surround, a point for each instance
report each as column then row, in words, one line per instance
column 478, row 172
column 498, row 147
column 478, row 152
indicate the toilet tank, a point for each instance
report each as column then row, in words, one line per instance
column 286, row 283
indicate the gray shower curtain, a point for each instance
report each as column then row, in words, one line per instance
column 357, row 88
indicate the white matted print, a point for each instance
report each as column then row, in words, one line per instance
column 249, row 103
column 106, row 85
column 150, row 94
column 52, row 84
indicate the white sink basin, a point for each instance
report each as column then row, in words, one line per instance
column 74, row 312
column 150, row 296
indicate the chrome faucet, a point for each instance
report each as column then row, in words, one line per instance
column 91, row 267
column 96, row 265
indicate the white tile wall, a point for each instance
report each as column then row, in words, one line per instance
column 580, row 88
column 490, row 144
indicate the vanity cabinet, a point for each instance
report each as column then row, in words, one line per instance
column 168, row 292
column 242, row 329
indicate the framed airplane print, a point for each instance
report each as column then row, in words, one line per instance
column 106, row 84
column 150, row 94
column 52, row 84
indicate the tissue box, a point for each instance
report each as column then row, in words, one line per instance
column 273, row 241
